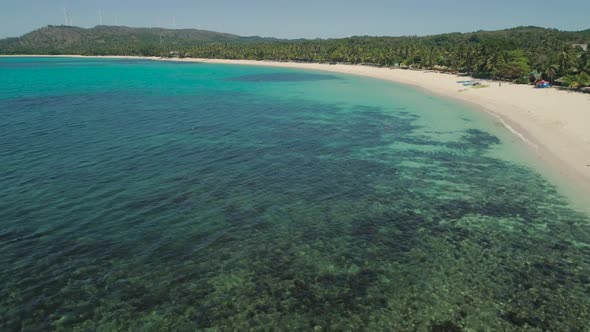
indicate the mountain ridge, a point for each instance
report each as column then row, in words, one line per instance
column 60, row 39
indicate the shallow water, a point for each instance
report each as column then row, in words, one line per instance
column 169, row 196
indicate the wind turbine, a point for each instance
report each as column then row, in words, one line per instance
column 67, row 18
column 100, row 17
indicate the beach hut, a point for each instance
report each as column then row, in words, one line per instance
column 542, row 84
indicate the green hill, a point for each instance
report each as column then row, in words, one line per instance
column 111, row 40
column 510, row 54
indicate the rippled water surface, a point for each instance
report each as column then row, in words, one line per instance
column 159, row 196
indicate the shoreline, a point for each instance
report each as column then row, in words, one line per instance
column 553, row 124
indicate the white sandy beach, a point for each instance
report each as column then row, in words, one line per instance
column 556, row 124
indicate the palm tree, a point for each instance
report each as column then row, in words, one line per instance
column 585, row 61
column 454, row 57
column 551, row 72
column 491, row 63
column 567, row 59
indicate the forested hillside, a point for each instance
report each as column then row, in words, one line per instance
column 112, row 40
column 512, row 54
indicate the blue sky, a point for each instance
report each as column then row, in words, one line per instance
column 301, row 18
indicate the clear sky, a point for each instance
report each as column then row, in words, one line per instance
column 301, row 18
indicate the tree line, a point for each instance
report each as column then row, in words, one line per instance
column 521, row 54
column 485, row 57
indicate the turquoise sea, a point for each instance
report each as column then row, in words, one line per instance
column 155, row 196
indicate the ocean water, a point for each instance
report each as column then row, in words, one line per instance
column 156, row 196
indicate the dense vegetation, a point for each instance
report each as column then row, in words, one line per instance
column 520, row 54
column 113, row 40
